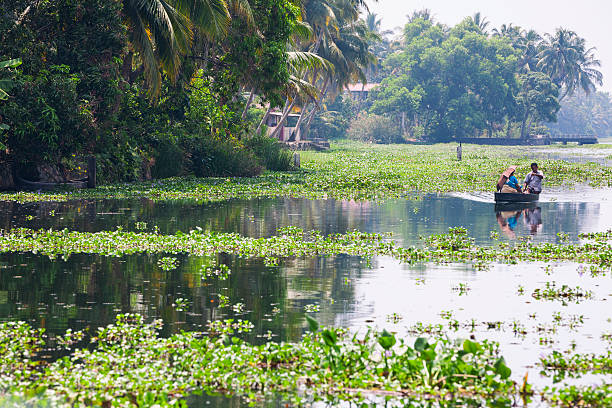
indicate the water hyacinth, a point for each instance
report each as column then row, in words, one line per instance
column 356, row 171
column 129, row 365
column 455, row 246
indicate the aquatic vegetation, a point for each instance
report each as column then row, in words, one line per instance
column 571, row 364
column 220, row 271
column 394, row 318
column 312, row 308
column 352, row 171
column 168, row 263
column 238, row 307
column 564, row 293
column 128, row 364
column 599, row 236
column 180, row 304
column 223, row 301
column 576, row 396
column 455, row 246
column 229, row 326
column 462, row 289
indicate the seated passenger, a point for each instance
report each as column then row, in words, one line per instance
column 510, row 182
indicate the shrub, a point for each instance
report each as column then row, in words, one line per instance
column 211, row 157
column 374, row 129
column 271, row 154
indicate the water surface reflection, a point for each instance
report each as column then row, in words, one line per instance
column 408, row 219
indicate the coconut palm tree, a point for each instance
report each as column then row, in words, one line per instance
column 424, row 14
column 161, row 31
column 565, row 58
column 530, row 43
column 509, row 31
column 481, row 22
column 373, row 22
column 349, row 52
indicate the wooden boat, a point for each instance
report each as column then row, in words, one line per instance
column 516, row 198
column 37, row 185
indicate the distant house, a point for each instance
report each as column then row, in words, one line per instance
column 360, row 92
column 287, row 129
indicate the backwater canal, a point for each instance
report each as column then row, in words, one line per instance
column 413, row 300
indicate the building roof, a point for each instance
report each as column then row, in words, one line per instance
column 361, row 87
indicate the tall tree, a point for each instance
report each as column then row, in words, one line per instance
column 565, row 58
column 481, row 22
column 537, row 100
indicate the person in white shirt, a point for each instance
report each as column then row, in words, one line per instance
column 533, row 180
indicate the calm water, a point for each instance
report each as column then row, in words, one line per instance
column 88, row 291
column 578, row 211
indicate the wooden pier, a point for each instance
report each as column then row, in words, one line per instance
column 580, row 139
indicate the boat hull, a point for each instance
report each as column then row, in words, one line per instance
column 516, row 198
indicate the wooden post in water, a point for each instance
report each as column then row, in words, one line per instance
column 296, row 160
column 459, row 152
column 91, row 172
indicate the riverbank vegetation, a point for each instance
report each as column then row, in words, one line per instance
column 157, row 89
column 358, row 171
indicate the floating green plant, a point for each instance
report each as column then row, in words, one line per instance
column 353, row 171
column 168, row 263
column 128, row 364
column 456, row 246
column 564, row 293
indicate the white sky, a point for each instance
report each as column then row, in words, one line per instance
column 589, row 18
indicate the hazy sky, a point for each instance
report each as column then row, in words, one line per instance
column 589, row 18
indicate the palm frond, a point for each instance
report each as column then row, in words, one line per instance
column 302, row 31
column 12, row 63
column 212, row 17
column 242, row 8
column 301, row 60
column 297, row 87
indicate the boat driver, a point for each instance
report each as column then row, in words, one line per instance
column 533, row 180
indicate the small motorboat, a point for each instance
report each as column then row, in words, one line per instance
column 516, row 198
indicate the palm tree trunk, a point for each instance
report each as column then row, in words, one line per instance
column 298, row 134
column 280, row 123
column 524, row 125
column 262, row 121
column 315, row 109
column 248, row 104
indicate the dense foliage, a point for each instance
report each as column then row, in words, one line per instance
column 149, row 92
column 441, row 83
